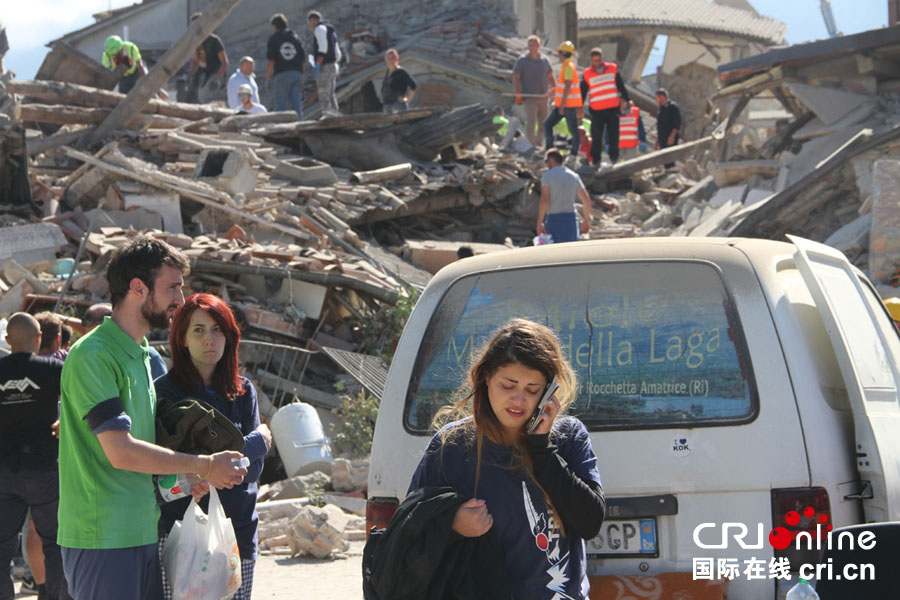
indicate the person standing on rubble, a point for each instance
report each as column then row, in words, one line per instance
column 604, row 90
column 632, row 134
column 125, row 59
column 29, row 476
column 208, row 66
column 566, row 99
column 398, row 87
column 532, row 81
column 243, row 76
column 284, row 69
column 204, row 341
column 668, row 121
column 560, row 186
column 326, row 57
column 107, row 509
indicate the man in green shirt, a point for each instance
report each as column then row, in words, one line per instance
column 125, row 59
column 107, row 509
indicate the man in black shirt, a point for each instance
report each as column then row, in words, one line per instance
column 284, row 69
column 668, row 121
column 209, row 66
column 29, row 397
column 397, row 82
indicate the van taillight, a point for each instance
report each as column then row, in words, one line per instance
column 798, row 510
column 379, row 512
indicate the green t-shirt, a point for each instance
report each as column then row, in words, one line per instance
column 101, row 506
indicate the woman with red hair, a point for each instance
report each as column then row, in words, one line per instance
column 204, row 342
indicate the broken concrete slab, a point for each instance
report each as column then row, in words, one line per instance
column 701, row 191
column 349, row 475
column 318, row 531
column 884, row 238
column 13, row 300
column 168, row 206
column 817, row 128
column 735, row 193
column 853, row 237
column 829, row 104
column 350, row 504
column 718, row 218
column 31, row 243
column 295, row 487
column 305, row 171
column 228, row 170
column 755, row 195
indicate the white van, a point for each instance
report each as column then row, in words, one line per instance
column 725, row 382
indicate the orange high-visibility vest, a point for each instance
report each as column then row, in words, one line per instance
column 573, row 100
column 602, row 91
column 628, row 128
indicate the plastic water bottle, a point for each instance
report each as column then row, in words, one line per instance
column 544, row 238
column 802, row 591
column 241, row 463
column 175, row 486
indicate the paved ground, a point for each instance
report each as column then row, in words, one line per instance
column 286, row 577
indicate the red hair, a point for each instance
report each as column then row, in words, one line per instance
column 225, row 378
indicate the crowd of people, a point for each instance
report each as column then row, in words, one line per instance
column 287, row 64
column 78, row 431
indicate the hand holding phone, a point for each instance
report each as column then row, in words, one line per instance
column 545, row 400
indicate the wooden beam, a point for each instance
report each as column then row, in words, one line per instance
column 61, row 138
column 651, row 159
column 327, row 279
column 59, row 114
column 212, row 199
column 167, row 66
column 60, row 92
column 387, row 173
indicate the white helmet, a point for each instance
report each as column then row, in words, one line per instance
column 245, row 89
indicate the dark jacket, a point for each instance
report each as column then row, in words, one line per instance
column 420, row 557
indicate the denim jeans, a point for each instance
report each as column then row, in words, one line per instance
column 39, row 490
column 395, row 107
column 287, row 89
column 571, row 117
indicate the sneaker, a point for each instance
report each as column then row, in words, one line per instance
column 28, row 584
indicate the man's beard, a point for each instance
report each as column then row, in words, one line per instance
column 156, row 318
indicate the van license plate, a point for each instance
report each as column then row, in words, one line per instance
column 635, row 537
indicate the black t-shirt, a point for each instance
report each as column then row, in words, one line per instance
column 208, row 54
column 285, row 50
column 29, row 396
column 395, row 85
column 669, row 118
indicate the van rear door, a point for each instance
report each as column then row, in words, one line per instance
column 868, row 350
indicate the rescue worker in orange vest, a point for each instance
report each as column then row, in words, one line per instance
column 631, row 132
column 604, row 91
column 567, row 100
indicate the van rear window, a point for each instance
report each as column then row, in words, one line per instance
column 654, row 344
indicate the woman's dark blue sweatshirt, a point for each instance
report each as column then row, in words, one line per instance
column 240, row 501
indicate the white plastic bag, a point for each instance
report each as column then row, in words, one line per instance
column 201, row 555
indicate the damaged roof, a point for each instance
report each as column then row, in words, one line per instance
column 690, row 15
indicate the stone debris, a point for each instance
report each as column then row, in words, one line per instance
column 317, row 531
column 349, row 475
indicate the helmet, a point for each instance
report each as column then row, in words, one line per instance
column 893, row 308
column 113, row 44
column 566, row 46
column 245, row 89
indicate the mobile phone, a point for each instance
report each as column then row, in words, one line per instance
column 545, row 400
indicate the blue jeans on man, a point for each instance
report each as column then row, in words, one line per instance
column 287, row 87
column 571, row 117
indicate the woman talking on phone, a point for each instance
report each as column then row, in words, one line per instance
column 204, row 343
column 538, row 491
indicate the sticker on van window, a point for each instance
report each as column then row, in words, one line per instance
column 681, row 447
column 653, row 344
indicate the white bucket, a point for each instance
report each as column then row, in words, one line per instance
column 300, row 440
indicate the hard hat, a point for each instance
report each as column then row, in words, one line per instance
column 113, row 44
column 566, row 46
column 893, row 308
column 245, row 89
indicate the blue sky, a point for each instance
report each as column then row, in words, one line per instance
column 33, row 23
